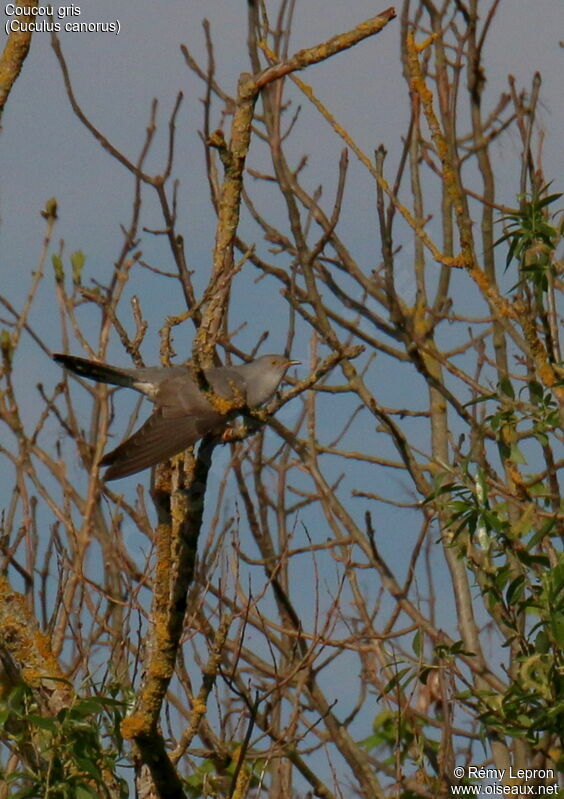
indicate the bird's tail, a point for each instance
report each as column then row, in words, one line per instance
column 100, row 372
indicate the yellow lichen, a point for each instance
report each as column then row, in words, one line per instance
column 135, row 725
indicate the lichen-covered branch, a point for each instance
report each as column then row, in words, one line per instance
column 15, row 51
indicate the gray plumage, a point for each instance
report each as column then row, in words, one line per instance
column 183, row 412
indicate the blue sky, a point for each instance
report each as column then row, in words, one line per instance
column 45, row 152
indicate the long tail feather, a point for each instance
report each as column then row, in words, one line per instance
column 100, row 372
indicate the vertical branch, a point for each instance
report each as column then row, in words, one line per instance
column 15, row 51
column 233, row 157
column 180, row 508
column 502, row 308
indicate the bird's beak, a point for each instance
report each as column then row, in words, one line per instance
column 294, row 363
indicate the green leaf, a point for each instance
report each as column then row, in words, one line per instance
column 557, row 629
column 481, row 398
column 85, row 792
column 57, row 262
column 536, row 390
column 516, row 455
column 540, row 534
column 42, row 722
column 88, row 765
column 515, row 590
column 371, row 742
column 505, row 235
column 511, row 252
column 504, row 451
column 92, row 705
column 447, row 488
column 77, row 259
column 493, row 521
column 547, row 200
column 542, row 642
column 532, row 560
column 391, row 684
column 507, row 387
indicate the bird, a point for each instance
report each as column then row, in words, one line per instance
column 184, row 412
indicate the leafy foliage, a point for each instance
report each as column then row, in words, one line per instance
column 532, row 238
column 78, row 748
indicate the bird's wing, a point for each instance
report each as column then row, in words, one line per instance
column 163, row 435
